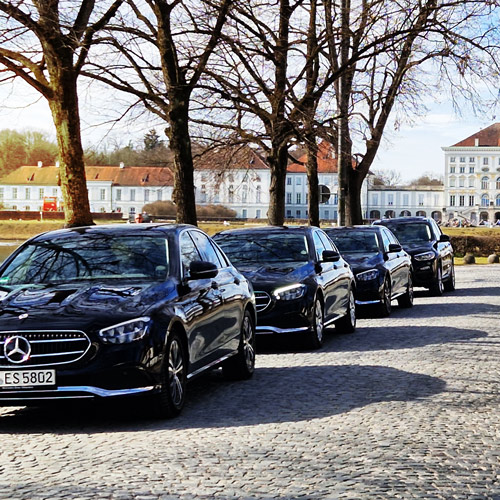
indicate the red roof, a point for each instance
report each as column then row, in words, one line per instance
column 327, row 163
column 489, row 136
column 126, row 176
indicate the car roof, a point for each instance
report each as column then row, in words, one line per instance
column 267, row 229
column 116, row 229
column 353, row 228
column 403, row 219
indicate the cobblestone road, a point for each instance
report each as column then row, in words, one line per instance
column 407, row 407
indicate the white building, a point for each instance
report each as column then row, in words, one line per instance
column 111, row 188
column 472, row 176
column 401, row 201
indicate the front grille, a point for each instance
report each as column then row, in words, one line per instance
column 47, row 347
column 262, row 301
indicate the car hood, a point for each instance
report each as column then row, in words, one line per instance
column 71, row 306
column 276, row 274
column 418, row 247
column 360, row 262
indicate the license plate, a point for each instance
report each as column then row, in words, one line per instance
column 27, row 378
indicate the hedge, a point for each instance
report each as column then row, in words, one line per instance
column 477, row 245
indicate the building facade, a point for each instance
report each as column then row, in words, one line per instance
column 110, row 188
column 472, row 177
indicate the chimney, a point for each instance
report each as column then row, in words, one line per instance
column 476, row 142
column 40, row 164
column 122, row 165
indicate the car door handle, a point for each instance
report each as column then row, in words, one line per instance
column 236, row 281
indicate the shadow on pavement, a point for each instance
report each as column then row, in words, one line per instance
column 273, row 395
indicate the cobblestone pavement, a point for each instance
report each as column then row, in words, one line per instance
column 406, row 407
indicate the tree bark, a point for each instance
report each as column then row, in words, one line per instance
column 312, row 181
column 278, row 161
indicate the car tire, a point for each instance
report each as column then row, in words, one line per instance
column 170, row 400
column 242, row 365
column 385, row 307
column 437, row 287
column 317, row 331
column 347, row 324
column 449, row 284
column 406, row 300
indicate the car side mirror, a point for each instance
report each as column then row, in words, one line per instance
column 200, row 269
column 444, row 237
column 393, row 248
column 330, row 256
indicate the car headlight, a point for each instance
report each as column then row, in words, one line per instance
column 424, row 256
column 125, row 332
column 290, row 292
column 367, row 275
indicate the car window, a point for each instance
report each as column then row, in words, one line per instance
column 206, row 249
column 327, row 243
column 319, row 245
column 390, row 235
column 365, row 242
column 189, row 252
column 259, row 247
column 412, row 232
column 87, row 257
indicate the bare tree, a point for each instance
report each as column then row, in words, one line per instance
column 46, row 44
column 160, row 49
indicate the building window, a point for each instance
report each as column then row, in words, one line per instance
column 230, row 194
column 472, row 159
column 484, row 183
column 27, row 208
column 131, row 210
column 102, row 194
column 203, row 194
column 420, row 200
column 498, row 182
column 146, row 195
column 299, row 198
column 14, row 193
column 472, row 200
column 298, row 181
column 452, row 200
column 288, row 181
column 374, row 199
column 485, row 200
column 486, row 161
column 244, row 194
column 327, row 214
column 452, row 159
column 244, row 213
column 452, row 181
column 54, row 191
column 471, row 181
column 452, row 170
column 258, row 193
column 257, row 213
column 118, row 195
column 14, row 207
column 27, row 193
column 298, row 214
column 288, row 214
column 132, row 196
column 461, row 182
column 497, row 200
column 41, row 192
column 158, row 195
column 462, row 159
column 102, row 210
column 335, row 200
column 462, row 169
column 461, row 200
column 390, row 199
column 289, row 198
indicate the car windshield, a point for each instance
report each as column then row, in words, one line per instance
column 409, row 232
column 258, row 247
column 88, row 257
column 364, row 242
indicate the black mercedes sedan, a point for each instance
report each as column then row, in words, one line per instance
column 380, row 265
column 430, row 250
column 121, row 310
column 301, row 282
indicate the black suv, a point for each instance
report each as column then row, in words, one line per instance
column 430, row 250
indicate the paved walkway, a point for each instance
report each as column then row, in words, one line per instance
column 406, row 407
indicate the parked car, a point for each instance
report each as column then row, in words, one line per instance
column 301, row 282
column 380, row 265
column 430, row 250
column 121, row 310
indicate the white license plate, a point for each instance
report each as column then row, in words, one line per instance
column 27, row 378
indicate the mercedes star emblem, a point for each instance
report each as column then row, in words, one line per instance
column 17, row 349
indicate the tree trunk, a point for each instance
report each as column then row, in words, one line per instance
column 353, row 212
column 277, row 160
column 312, row 181
column 180, row 145
column 65, row 113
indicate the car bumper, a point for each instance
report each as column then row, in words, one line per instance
column 368, row 292
column 424, row 273
column 293, row 316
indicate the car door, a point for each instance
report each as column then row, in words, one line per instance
column 330, row 276
column 201, row 305
column 444, row 249
column 395, row 262
column 227, row 284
